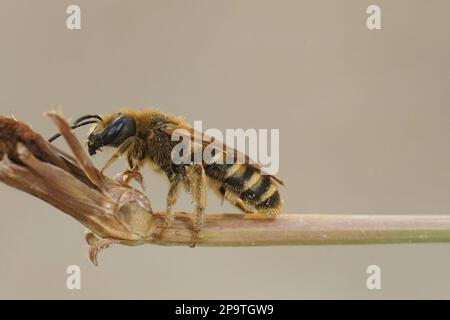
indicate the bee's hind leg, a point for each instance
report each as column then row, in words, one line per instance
column 197, row 182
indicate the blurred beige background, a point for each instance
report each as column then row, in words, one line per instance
column 364, row 120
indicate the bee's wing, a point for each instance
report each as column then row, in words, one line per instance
column 205, row 140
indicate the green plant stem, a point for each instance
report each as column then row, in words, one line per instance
column 310, row 229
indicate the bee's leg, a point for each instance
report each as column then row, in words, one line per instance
column 120, row 150
column 172, row 195
column 197, row 177
column 125, row 177
column 172, row 198
column 133, row 172
column 111, row 160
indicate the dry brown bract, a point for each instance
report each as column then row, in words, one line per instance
column 111, row 209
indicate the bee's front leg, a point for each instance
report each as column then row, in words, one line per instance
column 118, row 153
column 126, row 176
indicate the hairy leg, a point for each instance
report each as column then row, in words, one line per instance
column 132, row 173
column 120, row 150
column 124, row 179
column 172, row 196
column 197, row 182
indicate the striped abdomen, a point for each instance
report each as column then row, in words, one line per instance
column 246, row 187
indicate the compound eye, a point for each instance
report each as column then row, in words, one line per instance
column 114, row 129
column 113, row 134
column 119, row 130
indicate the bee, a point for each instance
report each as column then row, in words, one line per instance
column 145, row 137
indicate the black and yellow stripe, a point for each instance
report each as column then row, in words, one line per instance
column 246, row 187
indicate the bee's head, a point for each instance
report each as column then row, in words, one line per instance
column 108, row 131
column 112, row 134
